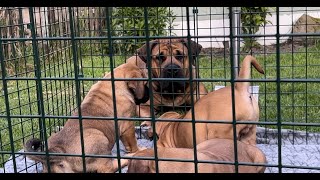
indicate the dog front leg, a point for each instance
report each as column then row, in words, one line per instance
column 144, row 111
column 128, row 138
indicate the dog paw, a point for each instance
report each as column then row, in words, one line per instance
column 123, row 163
column 129, row 154
column 142, row 148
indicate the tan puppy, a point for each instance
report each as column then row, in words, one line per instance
column 98, row 135
column 211, row 150
column 216, row 105
column 169, row 59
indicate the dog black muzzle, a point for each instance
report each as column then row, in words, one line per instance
column 171, row 72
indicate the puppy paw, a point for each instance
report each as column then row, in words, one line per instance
column 142, row 148
column 123, row 163
column 129, row 154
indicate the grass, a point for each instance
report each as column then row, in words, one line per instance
column 299, row 101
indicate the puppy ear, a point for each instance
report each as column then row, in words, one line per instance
column 142, row 51
column 138, row 87
column 194, row 47
column 34, row 145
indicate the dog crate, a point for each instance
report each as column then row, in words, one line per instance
column 51, row 56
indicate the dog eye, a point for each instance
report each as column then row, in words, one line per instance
column 161, row 57
column 60, row 165
column 179, row 55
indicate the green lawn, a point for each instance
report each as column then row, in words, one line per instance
column 298, row 100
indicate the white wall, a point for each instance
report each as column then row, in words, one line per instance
column 219, row 24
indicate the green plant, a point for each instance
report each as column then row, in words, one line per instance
column 130, row 21
column 251, row 19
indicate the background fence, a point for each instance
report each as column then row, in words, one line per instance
column 38, row 68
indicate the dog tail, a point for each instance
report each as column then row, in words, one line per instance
column 245, row 72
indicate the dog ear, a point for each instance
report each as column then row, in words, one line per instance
column 34, row 145
column 138, row 88
column 194, row 47
column 142, row 51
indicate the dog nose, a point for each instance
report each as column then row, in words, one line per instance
column 172, row 69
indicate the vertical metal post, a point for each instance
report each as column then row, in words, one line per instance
column 112, row 65
column 236, row 24
column 7, row 104
column 196, row 33
column 233, row 77
column 36, row 58
column 278, row 91
column 77, row 82
column 148, row 63
column 191, row 95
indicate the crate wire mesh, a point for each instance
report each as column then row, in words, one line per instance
column 51, row 56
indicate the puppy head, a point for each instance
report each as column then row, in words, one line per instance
column 170, row 59
column 138, row 88
column 161, row 48
column 58, row 164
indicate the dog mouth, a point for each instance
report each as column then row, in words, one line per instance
column 172, row 72
column 172, row 87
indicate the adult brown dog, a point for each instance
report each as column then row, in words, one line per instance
column 169, row 59
column 98, row 135
column 216, row 105
column 210, row 150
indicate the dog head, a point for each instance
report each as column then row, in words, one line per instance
column 58, row 164
column 138, row 88
column 170, row 59
column 65, row 143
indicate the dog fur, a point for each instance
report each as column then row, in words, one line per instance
column 215, row 106
column 169, row 59
column 210, row 150
column 98, row 135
